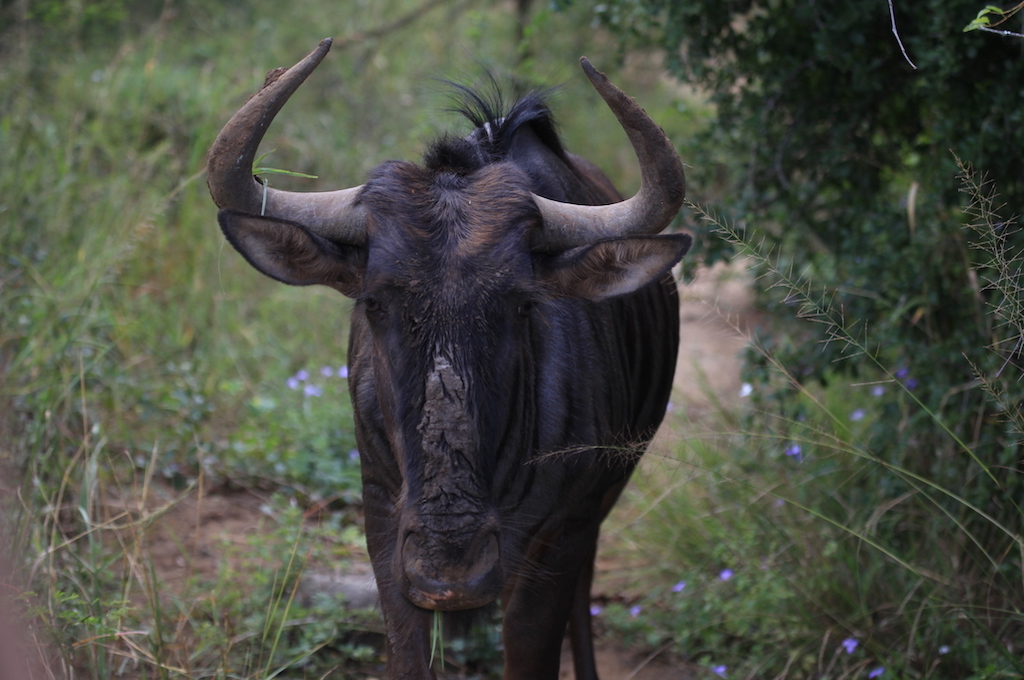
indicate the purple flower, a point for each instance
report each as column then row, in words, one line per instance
column 327, row 371
column 902, row 373
column 746, row 389
column 850, row 644
column 302, row 375
column 858, row 414
column 796, row 452
column 877, row 391
column 312, row 391
column 719, row 670
column 910, row 384
column 596, row 609
column 678, row 588
column 725, row 574
column 877, row 672
column 634, row 611
column 353, row 455
column 293, row 383
column 343, row 372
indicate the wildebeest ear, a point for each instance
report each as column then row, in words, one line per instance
column 290, row 253
column 613, row 267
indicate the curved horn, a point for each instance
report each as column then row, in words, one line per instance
column 331, row 214
column 662, row 183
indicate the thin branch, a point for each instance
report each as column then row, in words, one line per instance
column 892, row 15
column 998, row 32
column 391, row 26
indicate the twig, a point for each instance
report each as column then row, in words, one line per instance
column 892, row 15
column 998, row 32
column 399, row 23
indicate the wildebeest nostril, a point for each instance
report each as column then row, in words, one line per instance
column 450, row 574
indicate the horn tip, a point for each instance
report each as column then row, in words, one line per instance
column 593, row 74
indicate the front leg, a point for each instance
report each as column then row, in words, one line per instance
column 407, row 626
column 538, row 604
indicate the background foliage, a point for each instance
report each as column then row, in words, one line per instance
column 859, row 517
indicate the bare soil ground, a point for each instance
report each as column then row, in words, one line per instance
column 193, row 535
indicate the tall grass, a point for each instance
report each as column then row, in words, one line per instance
column 801, row 547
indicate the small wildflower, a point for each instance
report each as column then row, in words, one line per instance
column 678, row 588
column 725, row 574
column 312, row 391
column 293, row 383
column 944, row 649
column 327, row 371
column 796, row 452
column 719, row 670
column 302, row 375
column 596, row 609
column 877, row 672
column 850, row 644
column 877, row 391
column 746, row 389
column 634, row 611
column 910, row 384
column 343, row 372
column 353, row 455
column 902, row 373
column 858, row 414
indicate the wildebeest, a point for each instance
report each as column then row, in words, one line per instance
column 513, row 343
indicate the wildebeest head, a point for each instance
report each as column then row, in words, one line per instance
column 451, row 264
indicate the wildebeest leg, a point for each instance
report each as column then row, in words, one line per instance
column 537, row 608
column 580, row 632
column 408, row 626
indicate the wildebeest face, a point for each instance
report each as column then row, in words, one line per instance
column 447, row 280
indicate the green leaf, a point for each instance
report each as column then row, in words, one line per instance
column 977, row 23
column 982, row 20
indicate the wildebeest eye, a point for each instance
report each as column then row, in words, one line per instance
column 371, row 305
column 525, row 307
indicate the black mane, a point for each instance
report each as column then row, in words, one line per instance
column 495, row 127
